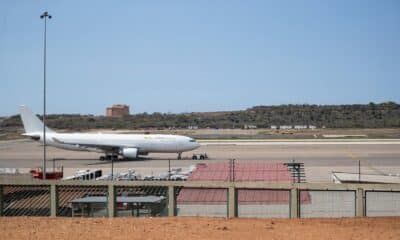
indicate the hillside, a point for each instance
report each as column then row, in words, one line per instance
column 383, row 115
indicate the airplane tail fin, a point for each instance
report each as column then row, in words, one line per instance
column 30, row 121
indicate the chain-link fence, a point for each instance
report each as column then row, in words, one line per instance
column 218, row 199
column 82, row 201
column 202, row 202
column 26, row 200
column 263, row 203
column 382, row 203
column 323, row 203
column 141, row 201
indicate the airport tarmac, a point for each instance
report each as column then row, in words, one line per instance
column 320, row 158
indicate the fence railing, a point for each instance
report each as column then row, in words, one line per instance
column 51, row 198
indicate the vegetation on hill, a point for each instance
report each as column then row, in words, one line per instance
column 383, row 115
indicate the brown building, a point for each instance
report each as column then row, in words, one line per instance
column 117, row 110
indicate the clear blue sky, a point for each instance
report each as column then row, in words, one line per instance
column 184, row 56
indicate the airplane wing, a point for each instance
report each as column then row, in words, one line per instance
column 103, row 147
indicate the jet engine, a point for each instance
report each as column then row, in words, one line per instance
column 129, row 152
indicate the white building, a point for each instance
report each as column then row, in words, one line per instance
column 246, row 126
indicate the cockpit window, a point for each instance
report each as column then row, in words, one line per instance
column 192, row 140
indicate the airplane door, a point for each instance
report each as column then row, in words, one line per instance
column 179, row 146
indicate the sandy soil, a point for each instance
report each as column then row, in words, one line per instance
column 198, row 228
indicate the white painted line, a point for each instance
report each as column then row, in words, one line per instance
column 300, row 143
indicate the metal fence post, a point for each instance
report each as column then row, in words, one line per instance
column 53, row 200
column 111, row 200
column 171, row 201
column 360, row 203
column 232, row 202
column 1, row 200
column 294, row 203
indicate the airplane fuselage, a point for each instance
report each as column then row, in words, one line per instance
column 126, row 145
column 145, row 143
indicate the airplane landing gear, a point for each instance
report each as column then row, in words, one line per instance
column 179, row 156
column 108, row 157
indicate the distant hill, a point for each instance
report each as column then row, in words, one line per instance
column 383, row 115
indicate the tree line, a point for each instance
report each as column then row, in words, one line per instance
column 382, row 115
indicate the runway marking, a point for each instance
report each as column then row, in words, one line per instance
column 268, row 143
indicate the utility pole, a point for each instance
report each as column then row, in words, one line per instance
column 169, row 169
column 232, row 169
column 44, row 16
column 112, row 168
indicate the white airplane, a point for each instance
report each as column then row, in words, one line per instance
column 112, row 145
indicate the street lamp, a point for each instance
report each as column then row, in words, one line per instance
column 44, row 16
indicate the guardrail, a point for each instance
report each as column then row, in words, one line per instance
column 232, row 188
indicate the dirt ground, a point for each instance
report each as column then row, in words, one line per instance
column 198, row 228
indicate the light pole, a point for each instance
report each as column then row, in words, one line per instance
column 44, row 16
